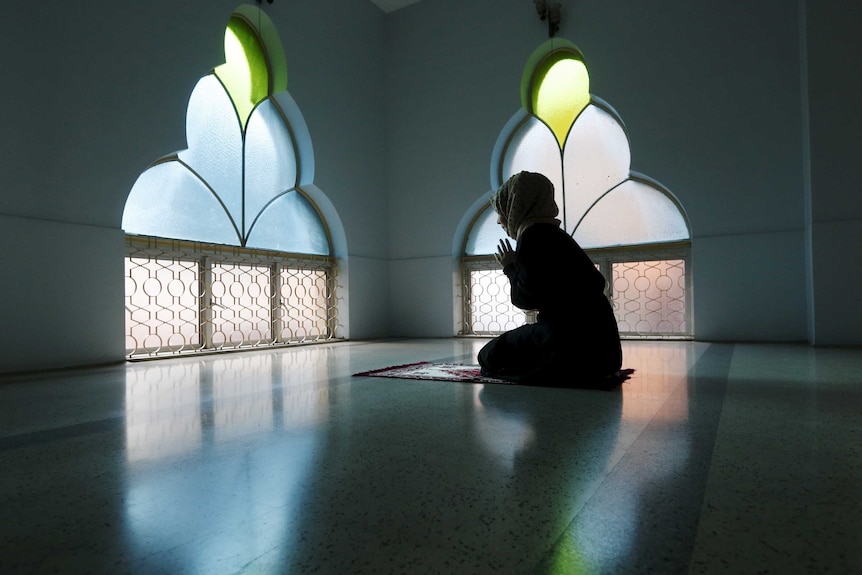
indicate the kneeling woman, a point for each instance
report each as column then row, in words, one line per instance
column 575, row 342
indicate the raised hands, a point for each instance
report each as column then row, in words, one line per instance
column 505, row 254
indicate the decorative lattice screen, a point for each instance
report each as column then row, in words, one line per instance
column 487, row 307
column 649, row 289
column 186, row 297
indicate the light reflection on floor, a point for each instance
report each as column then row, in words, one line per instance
column 169, row 403
column 281, row 462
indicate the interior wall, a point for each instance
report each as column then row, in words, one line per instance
column 834, row 67
column 710, row 96
column 95, row 92
column 403, row 111
column 55, row 294
column 336, row 73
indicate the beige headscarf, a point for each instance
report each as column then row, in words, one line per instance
column 526, row 198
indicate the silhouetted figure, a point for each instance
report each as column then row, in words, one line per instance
column 575, row 341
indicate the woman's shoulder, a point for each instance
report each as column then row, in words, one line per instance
column 542, row 228
column 545, row 232
column 552, row 238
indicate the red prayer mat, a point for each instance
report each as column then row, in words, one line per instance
column 435, row 372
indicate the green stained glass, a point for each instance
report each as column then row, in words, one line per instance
column 555, row 86
column 245, row 72
column 268, row 36
column 560, row 93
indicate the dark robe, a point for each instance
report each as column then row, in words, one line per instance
column 575, row 341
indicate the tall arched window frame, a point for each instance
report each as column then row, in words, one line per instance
column 225, row 249
column 633, row 228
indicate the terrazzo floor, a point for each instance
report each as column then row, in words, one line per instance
column 712, row 458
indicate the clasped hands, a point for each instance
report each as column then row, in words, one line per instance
column 505, row 254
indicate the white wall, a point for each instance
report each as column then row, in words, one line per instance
column 56, row 295
column 834, row 67
column 710, row 95
column 403, row 111
column 94, row 92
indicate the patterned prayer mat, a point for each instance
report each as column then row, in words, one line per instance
column 435, row 372
column 427, row 370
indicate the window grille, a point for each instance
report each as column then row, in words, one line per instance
column 190, row 297
column 249, row 260
column 649, row 288
column 487, row 305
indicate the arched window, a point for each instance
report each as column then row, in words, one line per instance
column 225, row 249
column 632, row 227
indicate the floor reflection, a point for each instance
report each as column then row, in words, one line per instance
column 220, row 451
column 645, row 512
column 282, row 462
column 163, row 410
column 171, row 406
column 252, row 440
column 659, row 369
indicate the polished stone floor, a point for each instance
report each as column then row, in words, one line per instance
column 713, row 458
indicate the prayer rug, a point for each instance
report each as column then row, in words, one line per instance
column 426, row 370
column 434, row 372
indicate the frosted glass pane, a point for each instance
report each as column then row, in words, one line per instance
column 534, row 148
column 596, row 158
column 168, row 201
column 634, row 213
column 270, row 159
column 290, row 224
column 215, row 142
column 485, row 235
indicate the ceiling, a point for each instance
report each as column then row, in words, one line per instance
column 392, row 5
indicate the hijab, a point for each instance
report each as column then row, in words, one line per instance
column 526, row 198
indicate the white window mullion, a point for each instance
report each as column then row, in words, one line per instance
column 206, row 309
column 276, row 312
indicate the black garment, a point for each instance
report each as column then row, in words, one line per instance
column 575, row 342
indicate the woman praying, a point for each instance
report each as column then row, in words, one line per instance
column 575, row 341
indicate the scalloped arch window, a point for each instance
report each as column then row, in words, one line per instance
column 580, row 143
column 238, row 182
column 634, row 229
column 224, row 249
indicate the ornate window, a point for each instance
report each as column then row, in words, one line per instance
column 225, row 249
column 632, row 227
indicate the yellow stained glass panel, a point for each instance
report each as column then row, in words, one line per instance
column 561, row 95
